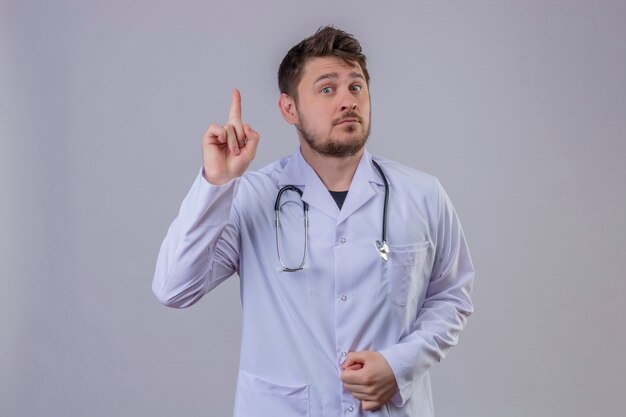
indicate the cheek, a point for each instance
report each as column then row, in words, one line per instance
column 365, row 105
column 366, row 112
column 320, row 116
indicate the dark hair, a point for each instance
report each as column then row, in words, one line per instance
column 327, row 41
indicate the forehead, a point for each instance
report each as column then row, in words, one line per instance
column 320, row 66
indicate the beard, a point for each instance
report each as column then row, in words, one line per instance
column 334, row 147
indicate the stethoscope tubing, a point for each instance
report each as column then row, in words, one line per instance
column 382, row 246
column 386, row 204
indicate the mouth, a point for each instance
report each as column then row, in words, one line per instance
column 349, row 120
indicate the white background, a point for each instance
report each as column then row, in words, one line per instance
column 519, row 107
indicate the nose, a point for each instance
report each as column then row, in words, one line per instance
column 347, row 101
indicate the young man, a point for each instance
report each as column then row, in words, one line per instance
column 363, row 280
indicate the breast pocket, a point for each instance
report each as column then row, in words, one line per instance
column 259, row 397
column 405, row 271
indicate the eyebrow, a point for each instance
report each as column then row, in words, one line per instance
column 333, row 75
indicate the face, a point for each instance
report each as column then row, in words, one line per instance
column 332, row 112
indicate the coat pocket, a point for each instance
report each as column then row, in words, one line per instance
column 405, row 269
column 260, row 397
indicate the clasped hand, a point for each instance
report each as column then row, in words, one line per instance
column 368, row 376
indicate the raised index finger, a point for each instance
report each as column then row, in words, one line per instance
column 235, row 106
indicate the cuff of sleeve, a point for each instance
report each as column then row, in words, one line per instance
column 405, row 385
column 206, row 183
column 213, row 191
column 204, row 197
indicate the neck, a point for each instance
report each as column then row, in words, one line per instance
column 335, row 173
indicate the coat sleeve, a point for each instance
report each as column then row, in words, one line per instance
column 201, row 248
column 445, row 309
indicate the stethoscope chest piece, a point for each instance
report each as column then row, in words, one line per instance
column 383, row 249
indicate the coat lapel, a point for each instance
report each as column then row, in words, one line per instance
column 363, row 187
column 299, row 173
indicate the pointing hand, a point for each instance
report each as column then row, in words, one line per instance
column 229, row 149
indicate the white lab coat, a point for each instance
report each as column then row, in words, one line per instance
column 298, row 326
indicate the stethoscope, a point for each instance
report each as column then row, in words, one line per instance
column 381, row 245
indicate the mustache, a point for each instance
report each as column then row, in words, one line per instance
column 348, row 115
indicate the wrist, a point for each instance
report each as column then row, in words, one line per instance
column 216, row 180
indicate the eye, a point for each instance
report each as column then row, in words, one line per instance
column 356, row 87
column 327, row 90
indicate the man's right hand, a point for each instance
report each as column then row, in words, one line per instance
column 227, row 150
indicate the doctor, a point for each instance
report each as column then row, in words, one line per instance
column 340, row 318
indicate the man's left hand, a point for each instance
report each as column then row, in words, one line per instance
column 368, row 376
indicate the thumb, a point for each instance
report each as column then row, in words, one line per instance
column 253, row 138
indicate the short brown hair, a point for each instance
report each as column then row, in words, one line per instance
column 327, row 41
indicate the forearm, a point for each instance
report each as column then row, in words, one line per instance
column 445, row 309
column 436, row 330
column 188, row 264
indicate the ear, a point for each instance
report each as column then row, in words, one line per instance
column 288, row 110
